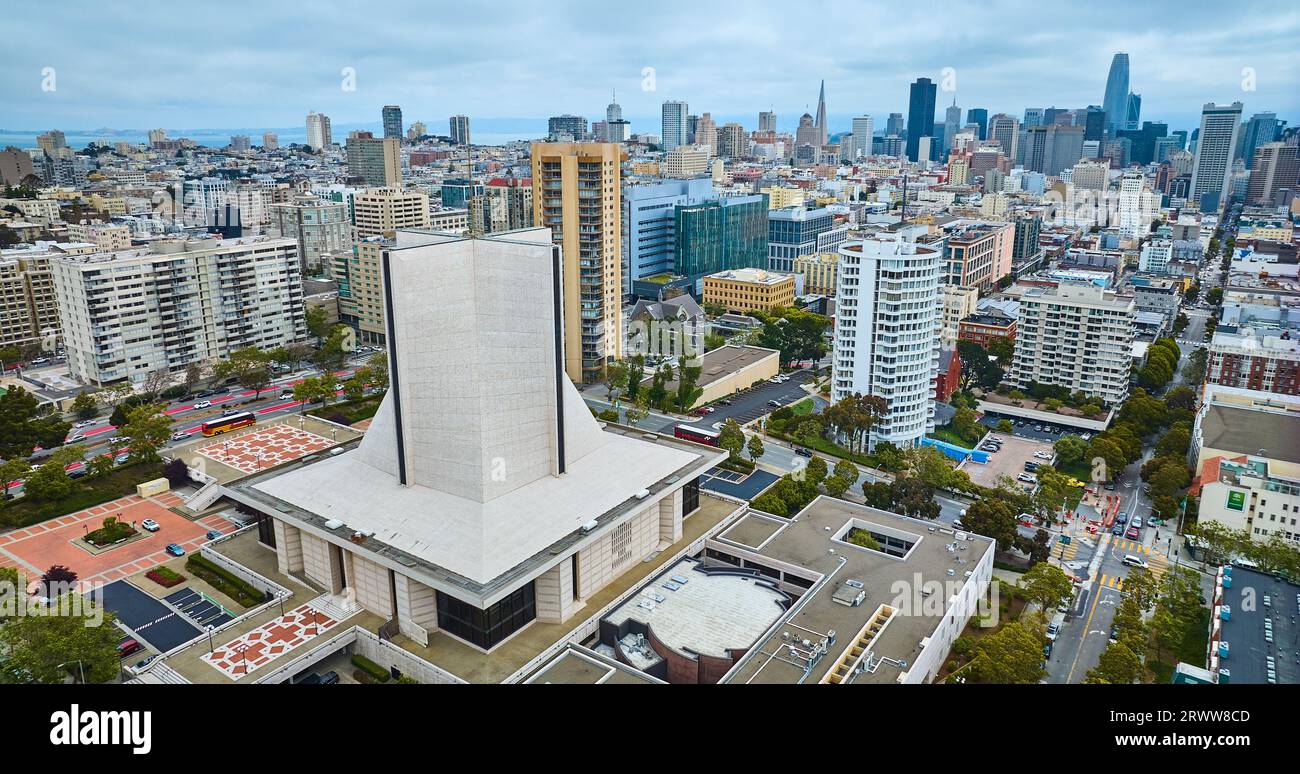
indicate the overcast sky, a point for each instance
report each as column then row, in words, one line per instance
column 239, row 64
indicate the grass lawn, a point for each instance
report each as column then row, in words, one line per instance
column 352, row 411
column 1080, row 470
column 947, row 434
column 803, row 407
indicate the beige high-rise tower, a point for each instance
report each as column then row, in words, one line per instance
column 576, row 195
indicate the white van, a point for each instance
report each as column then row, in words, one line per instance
column 1134, row 561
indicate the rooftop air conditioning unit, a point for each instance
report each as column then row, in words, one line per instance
column 643, row 494
column 589, row 526
column 333, row 524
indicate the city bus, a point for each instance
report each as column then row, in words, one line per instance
column 226, row 424
column 697, row 434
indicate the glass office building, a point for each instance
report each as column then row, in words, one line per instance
column 726, row 233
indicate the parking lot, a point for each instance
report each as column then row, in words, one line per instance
column 1025, row 428
column 151, row 621
column 1010, row 461
column 750, row 404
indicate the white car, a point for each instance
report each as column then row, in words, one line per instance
column 203, row 404
column 1042, row 455
column 150, row 525
column 84, row 423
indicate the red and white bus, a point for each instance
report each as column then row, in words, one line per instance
column 226, row 424
column 697, row 434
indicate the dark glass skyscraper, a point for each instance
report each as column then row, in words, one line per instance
column 920, row 115
column 392, row 121
column 979, row 117
column 1094, row 127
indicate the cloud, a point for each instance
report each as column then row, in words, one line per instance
column 241, row 64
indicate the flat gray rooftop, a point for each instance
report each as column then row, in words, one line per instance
column 1245, row 431
column 1244, row 631
column 808, row 544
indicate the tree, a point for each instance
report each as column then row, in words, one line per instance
column 847, row 471
column 635, row 374
column 318, row 324
column 816, row 471
column 930, row 465
column 146, row 430
column 1005, row 426
column 331, row 356
column 615, row 377
column 836, row 486
column 860, row 537
column 755, row 448
column 731, row 438
column 1070, row 449
column 1047, row 585
column 17, row 431
column 45, row 648
column 251, row 366
column 1118, row 665
column 12, row 470
column 1110, row 452
column 57, row 579
column 992, row 518
column 1215, row 296
column 84, row 406
column 770, row 502
column 1013, row 655
column 854, row 415
column 313, row 389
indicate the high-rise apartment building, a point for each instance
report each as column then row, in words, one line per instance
column 377, row 161
column 1276, row 167
column 15, row 164
column 458, row 129
column 130, row 314
column 27, row 300
column 270, row 141
column 864, row 129
column 1076, row 336
column 576, row 189
column 886, row 319
column 733, row 142
column 766, row 121
column 706, row 134
column 319, row 227
column 318, row 131
column 686, row 161
column 920, row 115
column 673, row 118
column 383, row 211
column 392, row 119
column 1214, row 151
column 566, row 128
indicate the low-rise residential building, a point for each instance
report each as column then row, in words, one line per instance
column 983, row 327
column 742, row 290
column 1265, row 359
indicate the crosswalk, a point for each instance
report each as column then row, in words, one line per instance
column 1066, row 552
column 1156, row 563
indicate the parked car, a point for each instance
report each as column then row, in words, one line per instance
column 775, row 403
column 127, row 646
column 122, row 458
column 724, row 402
column 203, row 404
column 213, row 534
column 802, row 452
column 175, row 550
column 150, row 525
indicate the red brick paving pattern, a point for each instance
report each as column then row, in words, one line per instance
column 264, row 448
column 269, row 641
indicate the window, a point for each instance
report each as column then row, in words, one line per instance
column 690, row 497
column 487, row 628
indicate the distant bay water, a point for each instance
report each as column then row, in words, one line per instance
column 219, row 138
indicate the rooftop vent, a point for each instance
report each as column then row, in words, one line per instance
column 333, row 524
